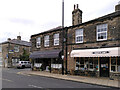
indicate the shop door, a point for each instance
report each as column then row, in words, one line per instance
column 104, row 67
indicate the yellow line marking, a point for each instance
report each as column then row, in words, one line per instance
column 23, row 74
column 6, row 80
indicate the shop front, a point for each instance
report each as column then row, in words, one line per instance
column 48, row 60
column 100, row 62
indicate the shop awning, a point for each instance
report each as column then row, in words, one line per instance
column 45, row 54
column 101, row 52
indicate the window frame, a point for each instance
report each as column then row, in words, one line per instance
column 46, row 40
column 38, row 42
column 99, row 31
column 16, row 49
column 56, row 39
column 80, row 35
column 115, row 65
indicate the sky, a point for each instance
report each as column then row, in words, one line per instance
column 29, row 17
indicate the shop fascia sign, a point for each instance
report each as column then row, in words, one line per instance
column 101, row 52
column 11, row 51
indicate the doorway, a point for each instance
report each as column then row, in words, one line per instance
column 104, row 67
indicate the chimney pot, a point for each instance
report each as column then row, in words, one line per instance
column 77, row 6
column 74, row 6
column 18, row 37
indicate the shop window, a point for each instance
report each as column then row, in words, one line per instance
column 113, row 68
column 56, row 63
column 102, row 32
column 113, row 61
column 77, row 64
column 86, row 64
column 115, row 64
column 95, row 61
column 91, row 63
column 118, row 61
column 118, row 64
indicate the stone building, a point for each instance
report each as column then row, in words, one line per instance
column 93, row 46
column 12, row 49
column 46, row 50
column 90, row 48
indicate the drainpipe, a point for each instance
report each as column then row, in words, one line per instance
column 66, row 52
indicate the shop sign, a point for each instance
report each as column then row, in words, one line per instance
column 11, row 51
column 101, row 52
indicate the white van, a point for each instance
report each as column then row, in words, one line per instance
column 23, row 64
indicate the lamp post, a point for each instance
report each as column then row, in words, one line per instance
column 62, row 37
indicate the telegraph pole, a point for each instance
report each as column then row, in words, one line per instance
column 62, row 37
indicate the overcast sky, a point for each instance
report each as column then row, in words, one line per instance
column 34, row 16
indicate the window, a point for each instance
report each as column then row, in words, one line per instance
column 102, row 32
column 16, row 48
column 79, row 36
column 86, row 64
column 56, row 39
column 115, row 64
column 46, row 41
column 38, row 42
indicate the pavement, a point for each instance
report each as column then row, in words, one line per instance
column 82, row 79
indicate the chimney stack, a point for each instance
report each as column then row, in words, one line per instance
column 9, row 39
column 18, row 37
column 76, row 15
column 117, row 7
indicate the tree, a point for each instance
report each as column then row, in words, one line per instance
column 24, row 56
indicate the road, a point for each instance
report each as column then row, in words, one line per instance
column 11, row 78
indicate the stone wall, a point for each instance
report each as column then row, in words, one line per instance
column 51, row 41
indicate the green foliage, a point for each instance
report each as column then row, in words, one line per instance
column 24, row 56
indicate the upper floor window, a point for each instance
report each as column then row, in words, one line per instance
column 46, row 41
column 16, row 48
column 79, row 36
column 56, row 39
column 38, row 42
column 102, row 32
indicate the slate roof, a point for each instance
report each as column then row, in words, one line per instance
column 48, row 31
column 18, row 42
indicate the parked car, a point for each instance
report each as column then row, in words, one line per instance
column 23, row 64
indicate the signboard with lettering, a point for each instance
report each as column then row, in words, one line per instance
column 100, row 52
column 11, row 51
